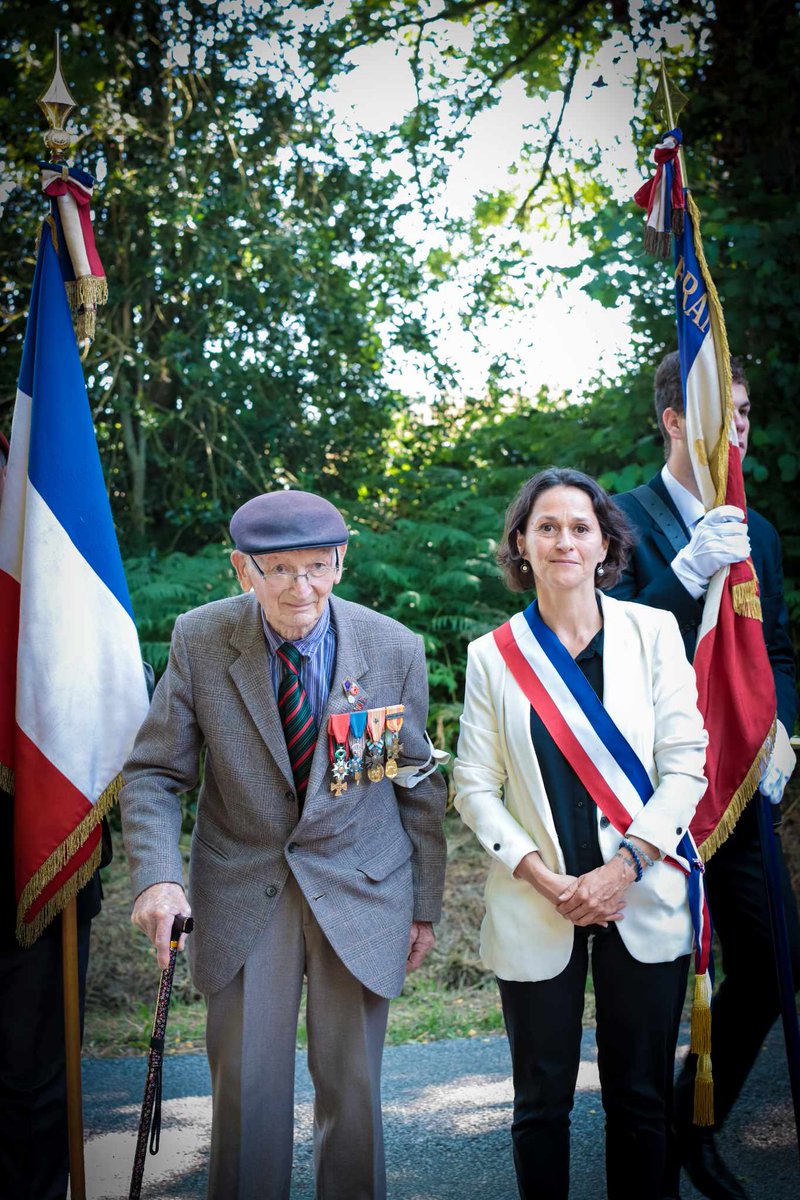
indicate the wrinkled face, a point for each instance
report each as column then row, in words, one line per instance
column 741, row 416
column 292, row 598
column 563, row 541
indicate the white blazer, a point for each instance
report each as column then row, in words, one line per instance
column 649, row 691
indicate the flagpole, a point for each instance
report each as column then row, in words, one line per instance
column 767, row 839
column 57, row 103
column 670, row 119
column 72, row 1050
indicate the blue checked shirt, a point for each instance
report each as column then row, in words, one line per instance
column 318, row 649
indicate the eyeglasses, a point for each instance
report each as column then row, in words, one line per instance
column 316, row 572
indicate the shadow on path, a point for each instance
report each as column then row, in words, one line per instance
column 447, row 1111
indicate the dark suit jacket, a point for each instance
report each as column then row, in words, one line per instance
column 649, row 579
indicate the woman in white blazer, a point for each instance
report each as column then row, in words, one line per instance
column 567, row 881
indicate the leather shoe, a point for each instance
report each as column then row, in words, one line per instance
column 706, row 1167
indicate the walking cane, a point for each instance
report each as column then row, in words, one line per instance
column 150, row 1120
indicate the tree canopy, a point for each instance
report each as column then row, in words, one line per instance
column 267, row 268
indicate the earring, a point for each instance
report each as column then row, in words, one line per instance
column 600, row 571
column 523, row 566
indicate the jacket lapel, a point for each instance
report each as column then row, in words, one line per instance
column 350, row 664
column 622, row 677
column 251, row 675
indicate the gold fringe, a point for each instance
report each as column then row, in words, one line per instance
column 746, row 600
column 722, row 354
column 87, row 291
column 700, row 1042
column 739, row 800
column 657, row 242
column 703, row 1092
column 6, row 779
column 29, row 931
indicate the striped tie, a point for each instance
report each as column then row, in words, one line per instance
column 297, row 718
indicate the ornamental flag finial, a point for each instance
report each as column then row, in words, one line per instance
column 69, row 190
column 57, row 103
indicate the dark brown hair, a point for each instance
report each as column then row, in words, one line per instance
column 611, row 519
column 668, row 389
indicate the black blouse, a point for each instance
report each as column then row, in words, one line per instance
column 574, row 811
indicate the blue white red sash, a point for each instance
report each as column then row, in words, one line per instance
column 596, row 749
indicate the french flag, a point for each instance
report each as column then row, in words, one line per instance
column 736, row 692
column 72, row 686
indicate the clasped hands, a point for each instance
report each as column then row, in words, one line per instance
column 596, row 898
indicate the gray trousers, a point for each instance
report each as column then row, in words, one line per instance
column 251, row 1035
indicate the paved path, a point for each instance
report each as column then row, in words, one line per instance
column 447, row 1110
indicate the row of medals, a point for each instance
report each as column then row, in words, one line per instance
column 379, row 759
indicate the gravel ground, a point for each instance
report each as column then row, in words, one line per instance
column 447, row 1108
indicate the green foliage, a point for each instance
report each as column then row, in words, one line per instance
column 163, row 586
column 261, row 282
column 257, row 278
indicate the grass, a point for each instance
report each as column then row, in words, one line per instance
column 451, row 996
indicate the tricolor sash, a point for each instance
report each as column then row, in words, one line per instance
column 608, row 767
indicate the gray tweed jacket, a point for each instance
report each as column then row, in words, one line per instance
column 369, row 862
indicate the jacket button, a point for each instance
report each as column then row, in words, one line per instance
column 271, row 891
column 679, row 829
column 291, row 847
column 288, row 795
column 604, row 822
column 497, row 845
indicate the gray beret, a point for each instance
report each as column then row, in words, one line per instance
column 287, row 521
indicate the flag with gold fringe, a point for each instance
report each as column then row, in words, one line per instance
column 736, row 692
column 72, row 686
column 69, row 190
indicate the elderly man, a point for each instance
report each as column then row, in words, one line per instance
column 318, row 849
column 679, row 549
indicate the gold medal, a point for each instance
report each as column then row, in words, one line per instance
column 376, row 719
column 391, row 738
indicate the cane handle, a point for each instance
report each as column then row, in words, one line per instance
column 181, row 925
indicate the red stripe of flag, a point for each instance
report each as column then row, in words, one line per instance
column 52, row 806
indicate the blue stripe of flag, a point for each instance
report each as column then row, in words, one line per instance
column 64, row 463
column 691, row 301
column 590, row 704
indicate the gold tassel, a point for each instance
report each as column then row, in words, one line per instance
column 87, row 290
column 29, row 931
column 85, row 324
column 700, row 1042
column 6, row 779
column 657, row 241
column 739, row 799
column 703, row 1092
column 84, row 296
column 746, row 600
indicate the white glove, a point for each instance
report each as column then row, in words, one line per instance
column 782, row 762
column 719, row 540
